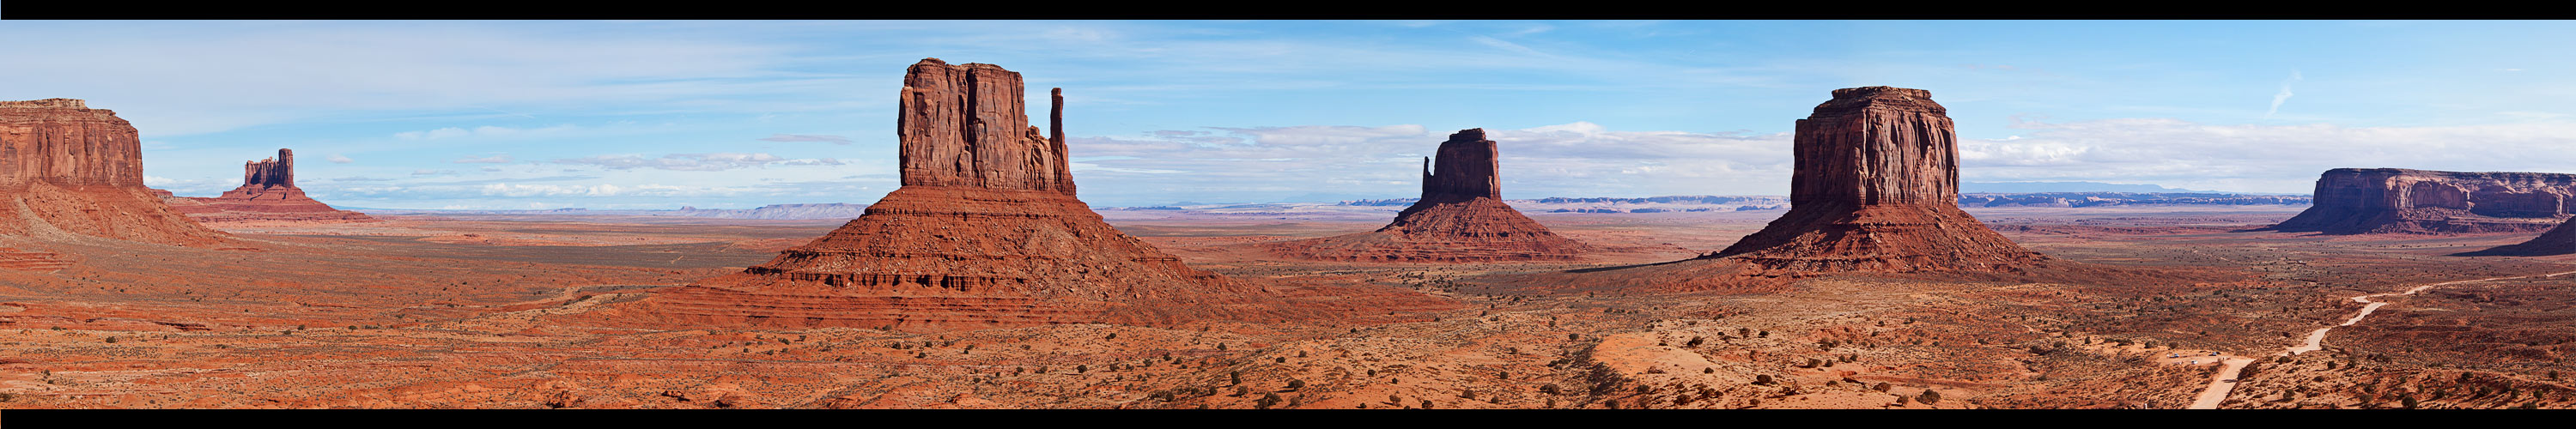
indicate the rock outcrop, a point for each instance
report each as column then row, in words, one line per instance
column 267, row 193
column 68, row 169
column 1877, row 189
column 1461, row 217
column 2394, row 200
column 2560, row 240
column 984, row 232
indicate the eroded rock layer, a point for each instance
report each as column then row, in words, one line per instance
column 1461, row 217
column 2394, row 200
column 68, row 169
column 985, row 232
column 1877, row 189
column 267, row 193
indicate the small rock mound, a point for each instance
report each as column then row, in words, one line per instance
column 2558, row 241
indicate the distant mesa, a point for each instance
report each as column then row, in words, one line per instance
column 2394, row 200
column 985, row 232
column 267, row 193
column 780, row 212
column 1461, row 217
column 67, row 170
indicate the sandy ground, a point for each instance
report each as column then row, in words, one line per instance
column 491, row 312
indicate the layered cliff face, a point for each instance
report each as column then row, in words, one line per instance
column 2392, row 200
column 68, row 169
column 1461, row 217
column 267, row 193
column 1877, row 189
column 985, row 232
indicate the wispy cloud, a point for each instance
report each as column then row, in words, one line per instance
column 826, row 138
column 494, row 159
column 484, row 131
column 339, row 159
column 694, row 161
column 2283, row 96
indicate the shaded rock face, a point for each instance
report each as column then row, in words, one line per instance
column 985, row 232
column 267, row 193
column 2392, row 200
column 1461, row 217
column 68, row 169
column 2560, row 240
column 1877, row 189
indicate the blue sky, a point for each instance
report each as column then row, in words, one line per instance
column 538, row 114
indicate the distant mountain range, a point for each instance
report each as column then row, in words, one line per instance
column 1978, row 195
column 769, row 212
column 2036, row 187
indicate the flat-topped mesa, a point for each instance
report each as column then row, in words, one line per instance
column 67, row 168
column 1877, row 188
column 267, row 194
column 966, row 125
column 1460, row 218
column 2395, row 200
column 985, row 232
column 1466, row 169
column 64, row 142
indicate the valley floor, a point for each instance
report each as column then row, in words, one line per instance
column 488, row 312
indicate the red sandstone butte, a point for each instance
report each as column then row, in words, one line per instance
column 984, row 232
column 267, row 193
column 1877, row 189
column 2394, row 200
column 68, row 170
column 1460, row 218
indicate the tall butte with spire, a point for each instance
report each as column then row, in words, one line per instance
column 984, row 232
column 1460, row 218
column 67, row 170
column 267, row 193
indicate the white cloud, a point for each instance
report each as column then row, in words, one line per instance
column 485, row 131
column 695, row 161
column 826, row 138
column 339, row 159
column 2284, row 95
column 2257, row 158
column 495, row 159
column 602, row 190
